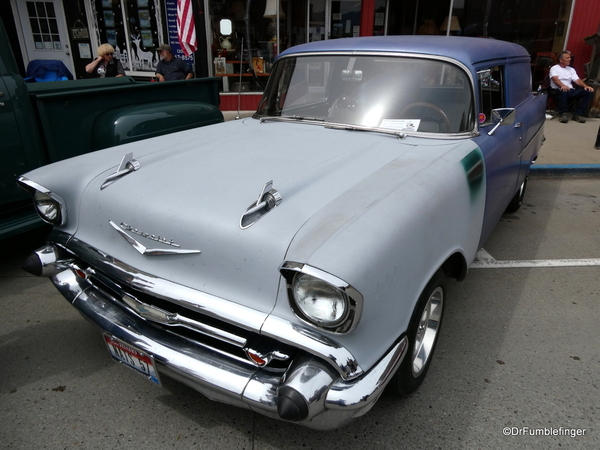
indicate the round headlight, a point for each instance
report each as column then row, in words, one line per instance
column 48, row 208
column 319, row 301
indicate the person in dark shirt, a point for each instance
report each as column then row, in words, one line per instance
column 104, row 65
column 170, row 68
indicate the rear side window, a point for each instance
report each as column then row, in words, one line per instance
column 491, row 92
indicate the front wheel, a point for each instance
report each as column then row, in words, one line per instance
column 423, row 332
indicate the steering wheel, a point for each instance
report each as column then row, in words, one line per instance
column 345, row 109
column 429, row 111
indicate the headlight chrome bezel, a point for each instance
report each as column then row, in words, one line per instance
column 353, row 301
column 41, row 196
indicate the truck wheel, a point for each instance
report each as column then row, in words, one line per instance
column 517, row 200
column 423, row 332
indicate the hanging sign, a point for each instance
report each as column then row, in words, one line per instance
column 171, row 10
column 79, row 31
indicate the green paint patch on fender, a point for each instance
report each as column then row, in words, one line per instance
column 475, row 171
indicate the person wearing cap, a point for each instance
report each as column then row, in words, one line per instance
column 562, row 78
column 105, row 65
column 170, row 68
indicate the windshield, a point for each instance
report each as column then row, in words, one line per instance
column 396, row 93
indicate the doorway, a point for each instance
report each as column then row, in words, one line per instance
column 44, row 31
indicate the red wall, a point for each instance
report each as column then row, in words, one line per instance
column 247, row 102
column 586, row 21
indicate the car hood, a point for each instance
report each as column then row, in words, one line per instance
column 193, row 191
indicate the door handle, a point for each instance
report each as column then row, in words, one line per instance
column 518, row 124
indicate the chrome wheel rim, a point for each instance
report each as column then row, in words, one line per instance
column 521, row 193
column 427, row 331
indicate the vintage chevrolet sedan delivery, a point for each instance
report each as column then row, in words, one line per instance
column 294, row 263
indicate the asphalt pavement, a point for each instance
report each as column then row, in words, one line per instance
column 516, row 366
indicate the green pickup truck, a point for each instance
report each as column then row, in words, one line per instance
column 41, row 123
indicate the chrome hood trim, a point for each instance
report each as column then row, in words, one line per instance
column 128, row 165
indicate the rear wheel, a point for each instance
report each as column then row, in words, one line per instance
column 423, row 333
column 517, row 200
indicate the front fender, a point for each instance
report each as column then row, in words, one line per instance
column 388, row 247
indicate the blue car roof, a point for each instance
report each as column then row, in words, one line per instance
column 467, row 50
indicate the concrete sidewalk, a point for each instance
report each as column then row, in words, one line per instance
column 568, row 148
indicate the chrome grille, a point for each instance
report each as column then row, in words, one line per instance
column 193, row 326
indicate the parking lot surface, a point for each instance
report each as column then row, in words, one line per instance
column 516, row 365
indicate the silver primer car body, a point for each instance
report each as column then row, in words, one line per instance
column 293, row 262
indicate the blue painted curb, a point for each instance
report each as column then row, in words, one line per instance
column 565, row 169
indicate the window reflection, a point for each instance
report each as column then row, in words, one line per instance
column 373, row 91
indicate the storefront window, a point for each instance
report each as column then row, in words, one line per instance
column 271, row 26
column 244, row 52
column 379, row 21
column 316, row 25
column 345, row 19
column 135, row 32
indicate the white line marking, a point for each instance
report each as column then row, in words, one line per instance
column 483, row 260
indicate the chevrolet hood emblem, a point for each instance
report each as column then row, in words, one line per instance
column 145, row 250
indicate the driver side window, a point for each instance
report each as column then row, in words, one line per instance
column 491, row 92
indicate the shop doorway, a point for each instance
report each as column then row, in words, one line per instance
column 44, row 31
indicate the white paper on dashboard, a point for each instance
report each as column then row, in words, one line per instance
column 401, row 124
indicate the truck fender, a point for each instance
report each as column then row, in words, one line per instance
column 133, row 123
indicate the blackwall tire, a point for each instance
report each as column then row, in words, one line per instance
column 423, row 333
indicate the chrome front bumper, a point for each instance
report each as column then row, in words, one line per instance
column 330, row 401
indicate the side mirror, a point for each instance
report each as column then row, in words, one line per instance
column 502, row 116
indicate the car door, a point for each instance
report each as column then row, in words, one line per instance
column 502, row 149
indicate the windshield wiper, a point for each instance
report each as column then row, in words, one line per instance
column 293, row 118
column 334, row 126
column 339, row 126
column 318, row 119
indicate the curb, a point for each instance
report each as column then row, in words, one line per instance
column 564, row 169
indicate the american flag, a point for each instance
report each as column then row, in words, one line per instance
column 186, row 27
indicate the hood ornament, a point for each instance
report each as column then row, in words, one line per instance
column 145, row 250
column 128, row 165
column 268, row 199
